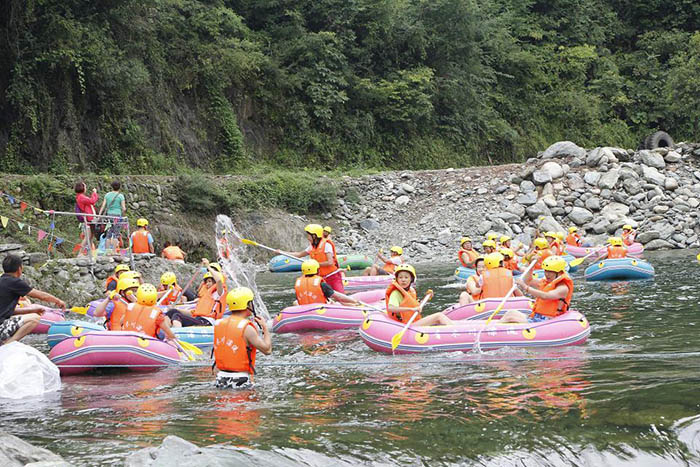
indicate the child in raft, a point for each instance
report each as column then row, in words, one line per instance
column 489, row 247
column 114, row 307
column 145, row 317
column 510, row 261
column 553, row 242
column 507, row 242
column 540, row 253
column 574, row 239
column 211, row 304
column 474, row 282
column 616, row 249
column 467, row 254
column 311, row 288
column 395, row 259
column 402, row 301
column 552, row 294
column 168, row 291
column 628, row 234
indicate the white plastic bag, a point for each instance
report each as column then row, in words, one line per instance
column 26, row 372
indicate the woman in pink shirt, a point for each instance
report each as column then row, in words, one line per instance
column 87, row 205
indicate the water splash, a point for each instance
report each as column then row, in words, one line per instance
column 239, row 269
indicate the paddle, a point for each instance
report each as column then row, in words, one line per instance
column 578, row 261
column 396, row 340
column 165, row 295
column 376, row 308
column 346, row 268
column 254, row 243
column 192, row 348
column 189, row 283
column 81, row 310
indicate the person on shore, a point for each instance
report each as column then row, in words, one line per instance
column 474, row 282
column 236, row 341
column 311, row 288
column 111, row 282
column 628, row 234
column 573, row 238
column 86, row 204
column 322, row 251
column 211, row 304
column 616, row 249
column 489, row 247
column 114, row 204
column 16, row 322
column 402, row 301
column 390, row 263
column 467, row 254
column 145, row 317
column 142, row 240
column 510, row 260
column 552, row 294
column 173, row 252
column 114, row 307
column 540, row 253
column 496, row 279
column 169, row 291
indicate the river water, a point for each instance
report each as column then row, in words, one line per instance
column 629, row 396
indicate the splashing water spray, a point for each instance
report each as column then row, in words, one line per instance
column 231, row 256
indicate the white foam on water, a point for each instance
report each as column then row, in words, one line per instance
column 232, row 256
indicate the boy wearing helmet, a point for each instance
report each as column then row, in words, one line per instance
column 474, row 282
column 145, row 317
column 510, row 261
column 114, row 307
column 507, row 242
column 467, row 254
column 322, row 251
column 574, row 239
column 111, row 282
column 236, row 341
column 497, row 280
column 552, row 294
column 402, row 300
column 169, row 291
column 390, row 263
column 141, row 240
column 489, row 247
column 628, row 234
column 311, row 288
column 616, row 248
column 541, row 252
column 553, row 241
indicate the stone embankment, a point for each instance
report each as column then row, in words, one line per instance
column 599, row 190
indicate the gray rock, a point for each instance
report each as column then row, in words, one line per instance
column 646, row 237
column 593, row 204
column 652, row 159
column 563, row 149
column 482, row 191
column 664, row 229
column 483, row 227
column 507, row 217
column 632, row 186
column 402, row 200
column 670, row 183
column 549, row 200
column 554, row 170
column 526, row 186
column 369, row 224
column 445, row 237
column 615, row 212
column 424, row 249
column 672, row 157
column 599, row 156
column 537, row 210
column 517, row 209
column 652, row 175
column 527, row 199
column 580, row 216
column 407, row 188
column 549, row 223
column 500, row 189
column 658, row 244
column 693, row 202
column 609, row 179
column 575, row 181
column 540, row 177
column 660, row 209
column 601, row 226
column 592, row 178
column 16, row 453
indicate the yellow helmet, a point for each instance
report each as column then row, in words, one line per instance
column 464, row 240
column 540, row 243
column 142, row 222
column 492, row 236
column 573, row 229
column 504, row 238
column 560, row 235
column 493, row 260
column 146, row 295
column 627, row 227
column 396, row 249
column 310, row 267
column 554, row 264
column 168, row 278
column 407, row 268
column 130, row 275
column 490, row 243
column 507, row 252
column 327, row 229
column 215, row 266
column 121, row 268
column 126, row 283
column 615, row 241
column 314, row 229
column 550, row 234
column 239, row 299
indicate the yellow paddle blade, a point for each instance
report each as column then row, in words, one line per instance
column 79, row 309
column 576, row 262
column 192, row 348
column 698, row 256
column 249, row 242
column 396, row 340
column 495, row 312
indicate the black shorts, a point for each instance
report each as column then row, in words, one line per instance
column 187, row 320
column 9, row 327
column 224, row 382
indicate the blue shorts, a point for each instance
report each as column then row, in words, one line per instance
column 537, row 318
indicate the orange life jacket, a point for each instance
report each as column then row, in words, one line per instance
column 474, row 278
column 573, row 239
column 171, row 295
column 410, row 300
column 471, row 256
column 555, row 307
column 335, row 255
column 617, row 252
column 308, row 290
column 143, row 319
column 109, row 280
column 319, row 255
column 541, row 256
column 628, row 237
column 497, row 283
column 114, row 323
column 173, row 252
column 231, row 352
column 208, row 306
column 389, row 267
column 555, row 248
column 139, row 240
column 511, row 264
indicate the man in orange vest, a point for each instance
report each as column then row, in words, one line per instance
column 141, row 240
column 395, row 259
column 114, row 307
column 628, row 234
column 616, row 249
column 145, row 317
column 111, row 282
column 322, row 251
column 311, row 288
column 497, row 280
column 236, row 341
column 552, row 294
column 466, row 253
column 173, row 253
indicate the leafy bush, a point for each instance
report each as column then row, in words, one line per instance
column 199, row 194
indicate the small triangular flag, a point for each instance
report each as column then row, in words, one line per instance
column 59, row 240
column 22, row 206
column 20, row 225
column 11, row 198
column 4, row 221
column 40, row 236
column 53, row 226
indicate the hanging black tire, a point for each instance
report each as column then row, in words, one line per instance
column 659, row 139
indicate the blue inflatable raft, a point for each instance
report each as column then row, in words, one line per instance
column 621, row 269
column 281, row 263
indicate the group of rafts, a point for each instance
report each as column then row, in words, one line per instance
column 492, row 312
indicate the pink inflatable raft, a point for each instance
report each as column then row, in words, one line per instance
column 635, row 249
column 112, row 349
column 366, row 282
column 48, row 317
column 483, row 308
column 327, row 316
column 571, row 328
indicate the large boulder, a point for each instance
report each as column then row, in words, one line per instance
column 592, row 178
column 540, row 177
column 563, row 149
column 599, row 156
column 527, row 199
column 658, row 244
column 550, row 224
column 553, row 169
column 369, row 224
column 17, row 453
column 538, row 209
column 614, row 212
column 646, row 237
column 652, row 159
column 575, row 181
column 652, row 175
column 609, row 179
column 526, row 186
column 580, row 216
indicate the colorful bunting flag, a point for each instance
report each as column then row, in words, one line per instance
column 53, row 226
column 22, row 206
column 11, row 198
column 20, row 225
column 4, row 221
column 59, row 240
column 41, row 235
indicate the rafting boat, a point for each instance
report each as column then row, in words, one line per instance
column 482, row 309
column 635, row 249
column 377, row 330
column 619, row 269
column 366, row 282
column 462, row 273
column 47, row 318
column 112, row 349
column 327, row 316
column 63, row 330
column 354, row 262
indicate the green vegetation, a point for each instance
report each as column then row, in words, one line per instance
column 157, row 86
